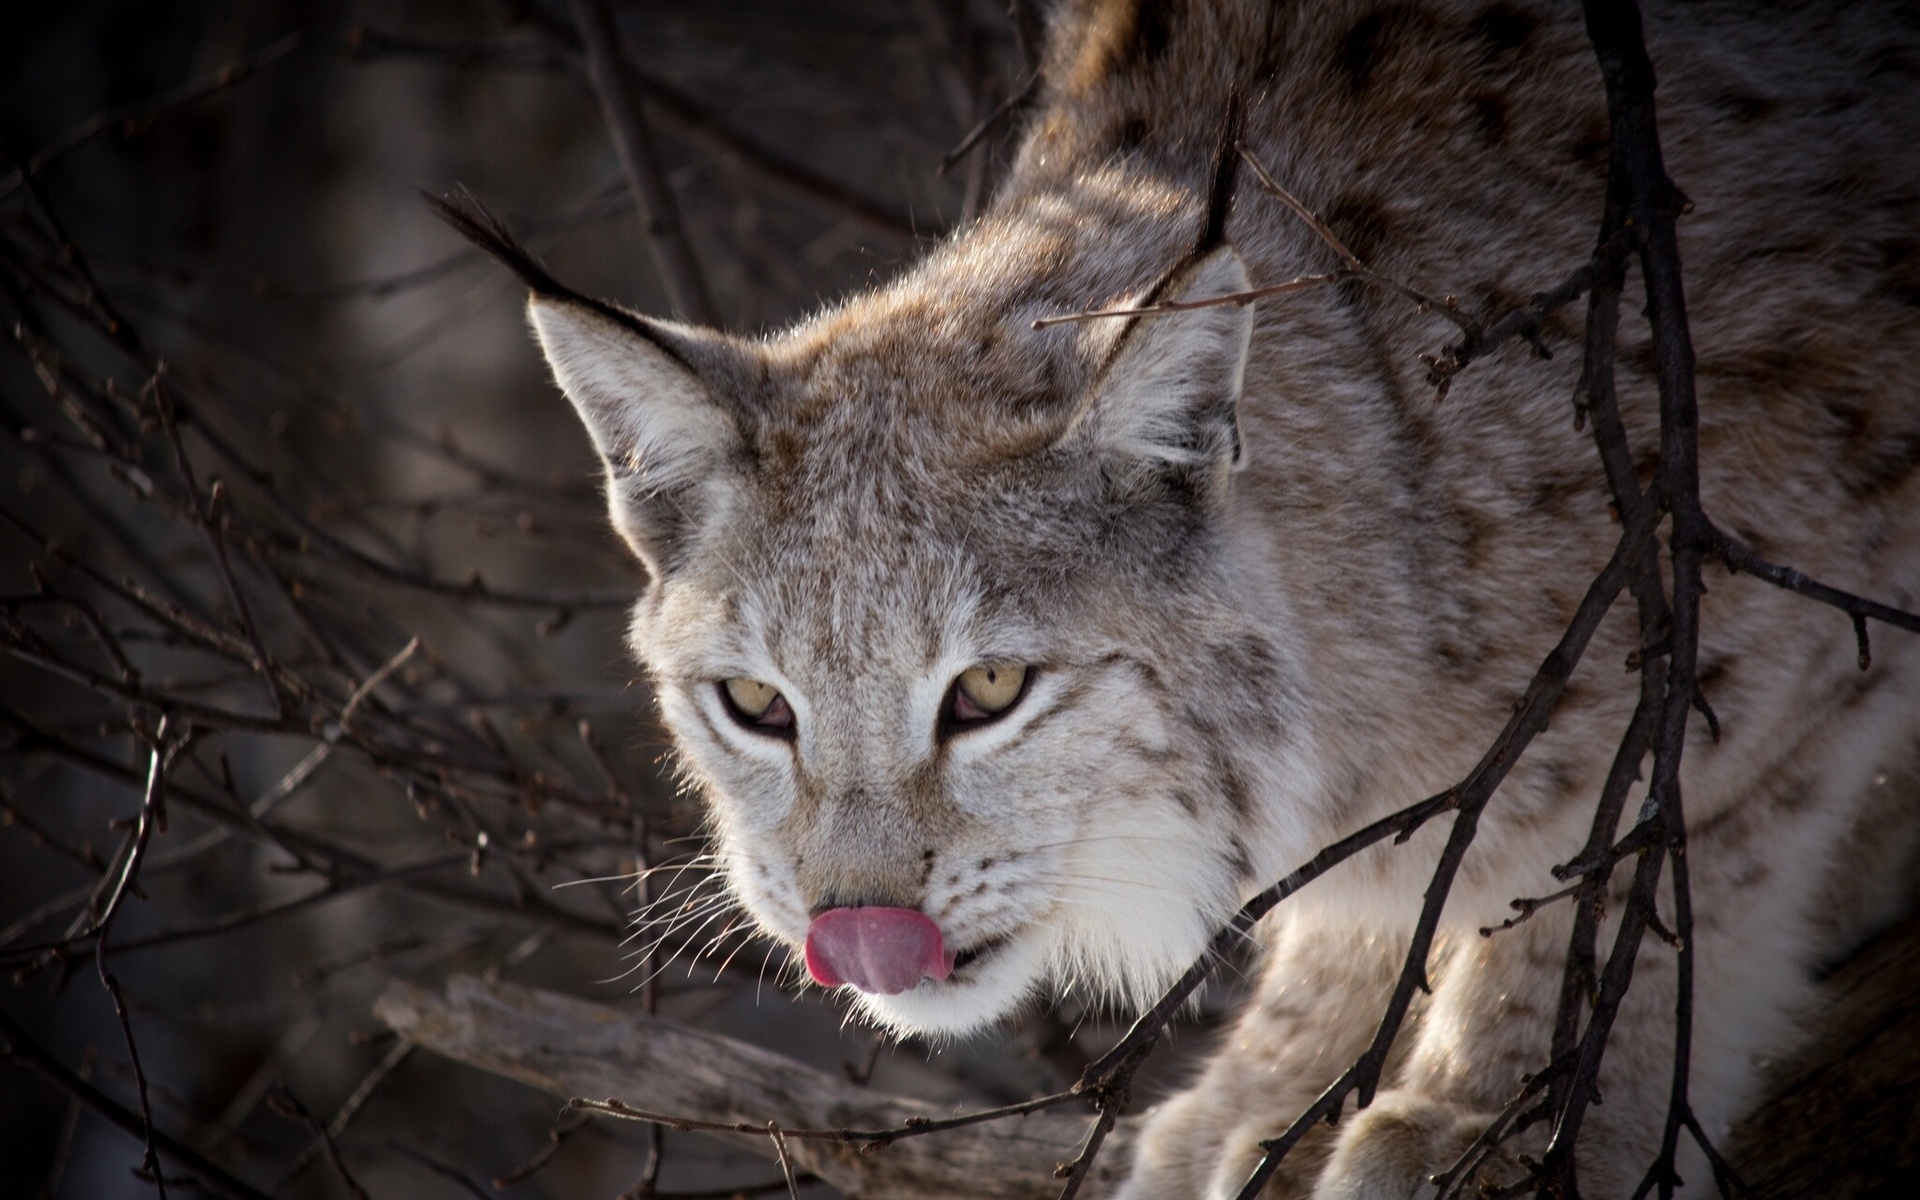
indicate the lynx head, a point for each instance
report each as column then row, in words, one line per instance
column 936, row 620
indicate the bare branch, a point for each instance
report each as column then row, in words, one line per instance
column 284, row 1102
column 137, row 114
column 1302, row 284
column 152, row 813
column 640, row 162
column 1740, row 559
column 1018, row 102
column 700, row 119
column 22, row 1048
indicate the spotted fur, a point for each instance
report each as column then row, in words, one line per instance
column 1269, row 588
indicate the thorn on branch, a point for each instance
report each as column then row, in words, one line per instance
column 1659, row 928
column 1524, row 909
column 1706, row 710
column 1641, row 657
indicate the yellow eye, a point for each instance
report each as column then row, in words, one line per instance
column 757, row 705
column 983, row 692
column 751, row 697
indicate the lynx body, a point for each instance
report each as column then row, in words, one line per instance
column 1259, row 588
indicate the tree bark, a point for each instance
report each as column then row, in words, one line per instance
column 570, row 1047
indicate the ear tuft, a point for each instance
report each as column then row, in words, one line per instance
column 662, row 434
column 469, row 217
column 1168, row 394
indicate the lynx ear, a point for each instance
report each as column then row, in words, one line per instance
column 1167, row 395
column 641, row 386
column 664, row 438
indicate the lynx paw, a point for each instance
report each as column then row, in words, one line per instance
column 1392, row 1149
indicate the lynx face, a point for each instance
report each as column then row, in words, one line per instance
column 946, row 648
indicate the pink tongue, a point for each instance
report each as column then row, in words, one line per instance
column 880, row 950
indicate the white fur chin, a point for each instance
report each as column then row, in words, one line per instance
column 1133, row 955
column 959, row 1007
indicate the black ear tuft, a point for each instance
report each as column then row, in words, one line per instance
column 473, row 220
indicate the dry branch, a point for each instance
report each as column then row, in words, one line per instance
column 640, row 163
column 571, row 1048
column 15, row 1045
column 138, row 113
column 755, row 150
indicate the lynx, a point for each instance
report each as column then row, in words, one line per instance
column 1014, row 659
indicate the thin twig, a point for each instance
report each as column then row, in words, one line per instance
column 556, row 1138
column 349, row 1108
column 1741, row 560
column 1525, row 907
column 21, row 1048
column 284, row 1102
column 1448, row 1182
column 63, row 1149
column 1447, row 306
column 137, row 114
column 914, row 1126
column 205, row 513
column 374, row 680
column 1075, row 1173
column 779, row 1139
column 443, row 1170
column 1018, row 101
column 697, row 117
column 1162, row 308
column 152, row 808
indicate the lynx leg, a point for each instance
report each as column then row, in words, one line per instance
column 1491, row 1018
column 1490, row 1024
column 1320, row 995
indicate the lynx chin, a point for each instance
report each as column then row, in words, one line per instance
column 1013, row 659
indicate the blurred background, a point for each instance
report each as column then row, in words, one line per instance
column 281, row 466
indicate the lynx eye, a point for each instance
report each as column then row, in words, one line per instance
column 758, row 706
column 983, row 693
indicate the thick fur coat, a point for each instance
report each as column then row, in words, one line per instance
column 1267, row 589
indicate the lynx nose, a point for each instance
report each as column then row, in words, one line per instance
column 881, row 950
